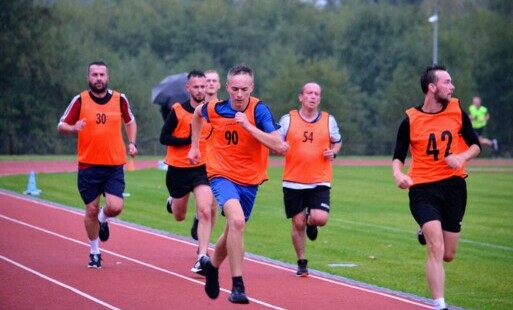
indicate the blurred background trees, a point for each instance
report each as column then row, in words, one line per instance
column 367, row 55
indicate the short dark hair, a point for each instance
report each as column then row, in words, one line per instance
column 240, row 69
column 195, row 73
column 96, row 63
column 429, row 76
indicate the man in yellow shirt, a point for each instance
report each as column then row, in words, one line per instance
column 479, row 117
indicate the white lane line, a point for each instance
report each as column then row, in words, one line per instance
column 125, row 258
column 54, row 281
column 362, row 287
column 117, row 222
column 353, row 286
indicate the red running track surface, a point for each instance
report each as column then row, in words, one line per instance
column 44, row 253
column 50, row 166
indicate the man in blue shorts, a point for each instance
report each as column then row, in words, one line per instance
column 243, row 131
column 96, row 115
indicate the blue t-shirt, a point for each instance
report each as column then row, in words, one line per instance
column 263, row 116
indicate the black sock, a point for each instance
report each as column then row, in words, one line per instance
column 237, row 281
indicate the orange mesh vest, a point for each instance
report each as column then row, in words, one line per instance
column 236, row 154
column 101, row 140
column 306, row 164
column 177, row 154
column 432, row 138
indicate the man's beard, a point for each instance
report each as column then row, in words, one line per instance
column 94, row 87
column 198, row 99
column 442, row 101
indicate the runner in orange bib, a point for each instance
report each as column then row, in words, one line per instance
column 441, row 140
column 314, row 140
column 243, row 131
column 97, row 116
column 182, row 177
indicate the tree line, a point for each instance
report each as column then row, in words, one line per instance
column 367, row 55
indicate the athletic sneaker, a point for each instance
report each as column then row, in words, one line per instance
column 168, row 204
column 302, row 268
column 95, row 261
column 420, row 237
column 211, row 277
column 104, row 232
column 238, row 295
column 311, row 232
column 197, row 268
column 194, row 228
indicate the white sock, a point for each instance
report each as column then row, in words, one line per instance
column 95, row 249
column 102, row 218
column 439, row 303
column 201, row 255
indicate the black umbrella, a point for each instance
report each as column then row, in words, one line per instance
column 170, row 90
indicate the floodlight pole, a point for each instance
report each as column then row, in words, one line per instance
column 434, row 19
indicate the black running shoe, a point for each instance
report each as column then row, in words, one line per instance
column 197, row 268
column 95, row 261
column 194, row 228
column 238, row 295
column 211, row 277
column 420, row 237
column 104, row 232
column 302, row 268
column 169, row 201
column 311, row 232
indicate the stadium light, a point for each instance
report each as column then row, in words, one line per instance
column 434, row 20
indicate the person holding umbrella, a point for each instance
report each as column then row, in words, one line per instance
column 182, row 177
column 168, row 91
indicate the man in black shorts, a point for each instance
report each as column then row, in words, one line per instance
column 441, row 140
column 182, row 177
column 315, row 140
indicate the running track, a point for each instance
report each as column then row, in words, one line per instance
column 43, row 257
column 48, row 166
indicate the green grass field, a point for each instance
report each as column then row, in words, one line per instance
column 370, row 225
